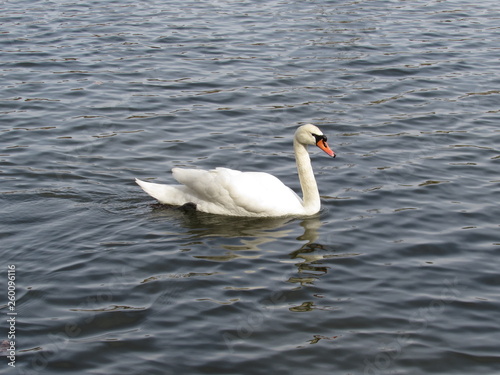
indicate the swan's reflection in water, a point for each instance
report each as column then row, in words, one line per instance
column 244, row 237
column 258, row 230
column 237, row 235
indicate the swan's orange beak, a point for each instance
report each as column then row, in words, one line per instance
column 324, row 146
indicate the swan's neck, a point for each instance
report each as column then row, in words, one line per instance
column 310, row 193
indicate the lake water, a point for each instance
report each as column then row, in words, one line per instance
column 398, row 274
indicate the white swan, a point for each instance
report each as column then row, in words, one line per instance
column 229, row 192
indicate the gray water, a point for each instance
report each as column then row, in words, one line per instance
column 398, row 274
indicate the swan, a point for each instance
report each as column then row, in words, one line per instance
column 230, row 192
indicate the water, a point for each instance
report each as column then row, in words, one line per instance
column 396, row 275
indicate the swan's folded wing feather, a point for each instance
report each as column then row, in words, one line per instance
column 205, row 185
column 262, row 193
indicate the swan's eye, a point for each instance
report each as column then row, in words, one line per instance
column 320, row 138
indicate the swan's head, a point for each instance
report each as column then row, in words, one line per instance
column 311, row 135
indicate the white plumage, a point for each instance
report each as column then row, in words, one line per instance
column 230, row 192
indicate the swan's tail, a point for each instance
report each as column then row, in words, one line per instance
column 166, row 194
column 155, row 190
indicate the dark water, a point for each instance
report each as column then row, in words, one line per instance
column 397, row 275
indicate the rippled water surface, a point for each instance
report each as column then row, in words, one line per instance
column 398, row 274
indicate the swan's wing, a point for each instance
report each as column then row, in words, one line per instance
column 204, row 185
column 240, row 193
